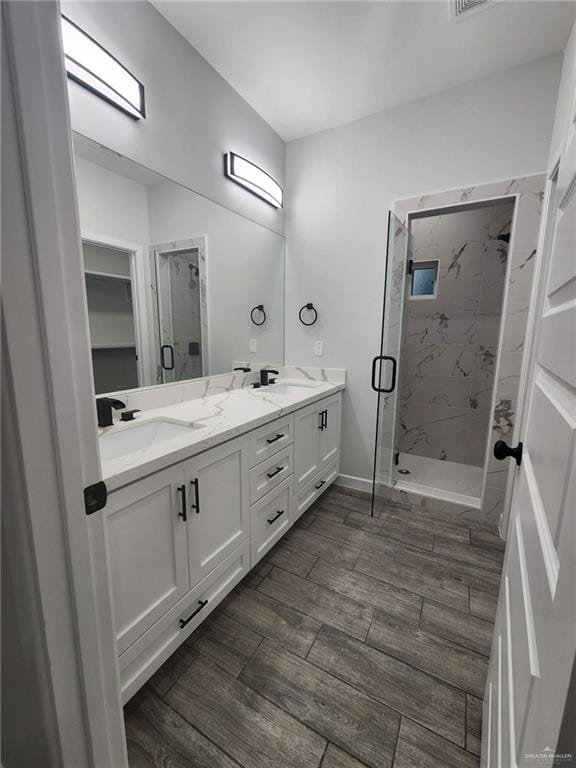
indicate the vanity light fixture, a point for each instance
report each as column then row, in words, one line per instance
column 253, row 178
column 91, row 66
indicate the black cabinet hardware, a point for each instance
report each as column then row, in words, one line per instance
column 273, row 439
column 321, row 425
column 320, row 484
column 163, row 348
column 242, row 368
column 325, row 418
column 95, row 497
column 201, row 604
column 392, row 387
column 182, row 491
column 276, row 516
column 196, row 505
column 129, row 415
column 272, row 474
column 502, row 451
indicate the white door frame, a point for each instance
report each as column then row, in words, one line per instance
column 51, row 398
column 139, row 280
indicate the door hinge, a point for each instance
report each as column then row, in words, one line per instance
column 95, row 497
column 410, row 266
column 396, row 458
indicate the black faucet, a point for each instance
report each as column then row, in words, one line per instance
column 104, row 407
column 264, row 380
column 243, row 368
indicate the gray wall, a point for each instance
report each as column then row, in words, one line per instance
column 193, row 115
column 340, row 185
column 451, row 340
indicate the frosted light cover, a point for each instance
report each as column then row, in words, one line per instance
column 252, row 177
column 90, row 65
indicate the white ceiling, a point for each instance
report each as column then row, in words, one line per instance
column 308, row 66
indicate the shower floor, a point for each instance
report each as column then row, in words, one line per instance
column 448, row 480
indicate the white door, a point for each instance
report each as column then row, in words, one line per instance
column 330, row 430
column 218, row 521
column 147, row 546
column 535, row 632
column 306, row 444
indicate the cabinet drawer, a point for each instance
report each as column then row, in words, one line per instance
column 313, row 489
column 152, row 649
column 270, row 439
column 270, row 519
column 270, row 473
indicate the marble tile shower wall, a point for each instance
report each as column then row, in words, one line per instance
column 451, row 341
column 528, row 192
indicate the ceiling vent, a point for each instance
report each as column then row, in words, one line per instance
column 461, row 8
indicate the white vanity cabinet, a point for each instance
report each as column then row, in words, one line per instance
column 217, row 504
column 180, row 539
column 317, row 438
column 147, row 543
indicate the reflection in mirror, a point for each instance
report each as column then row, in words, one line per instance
column 171, row 277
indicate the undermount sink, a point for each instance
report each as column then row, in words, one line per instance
column 124, row 440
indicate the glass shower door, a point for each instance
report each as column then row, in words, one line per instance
column 385, row 370
column 179, row 314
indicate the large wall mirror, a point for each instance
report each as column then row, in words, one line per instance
column 172, row 278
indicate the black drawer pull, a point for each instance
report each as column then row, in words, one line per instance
column 273, row 440
column 196, row 505
column 276, row 516
column 201, row 604
column 272, row 474
column 182, row 491
column 320, row 484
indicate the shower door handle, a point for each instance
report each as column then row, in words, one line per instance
column 375, row 387
column 163, row 348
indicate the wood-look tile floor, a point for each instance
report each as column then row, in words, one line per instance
column 356, row 642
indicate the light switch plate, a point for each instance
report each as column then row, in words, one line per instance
column 253, row 345
column 319, row 348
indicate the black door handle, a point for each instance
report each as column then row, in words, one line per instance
column 273, row 439
column 201, row 604
column 276, row 516
column 196, row 505
column 182, row 491
column 320, row 484
column 502, row 451
column 392, row 387
column 163, row 348
column 276, row 471
column 325, row 418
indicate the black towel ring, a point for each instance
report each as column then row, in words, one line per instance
column 258, row 308
column 311, row 308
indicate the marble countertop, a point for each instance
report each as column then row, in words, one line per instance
column 216, row 419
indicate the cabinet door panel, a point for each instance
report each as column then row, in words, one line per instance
column 151, row 650
column 306, row 444
column 221, row 521
column 147, row 550
column 330, row 435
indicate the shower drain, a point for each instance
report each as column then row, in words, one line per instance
column 403, row 471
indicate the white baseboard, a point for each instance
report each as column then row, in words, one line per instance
column 356, row 483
